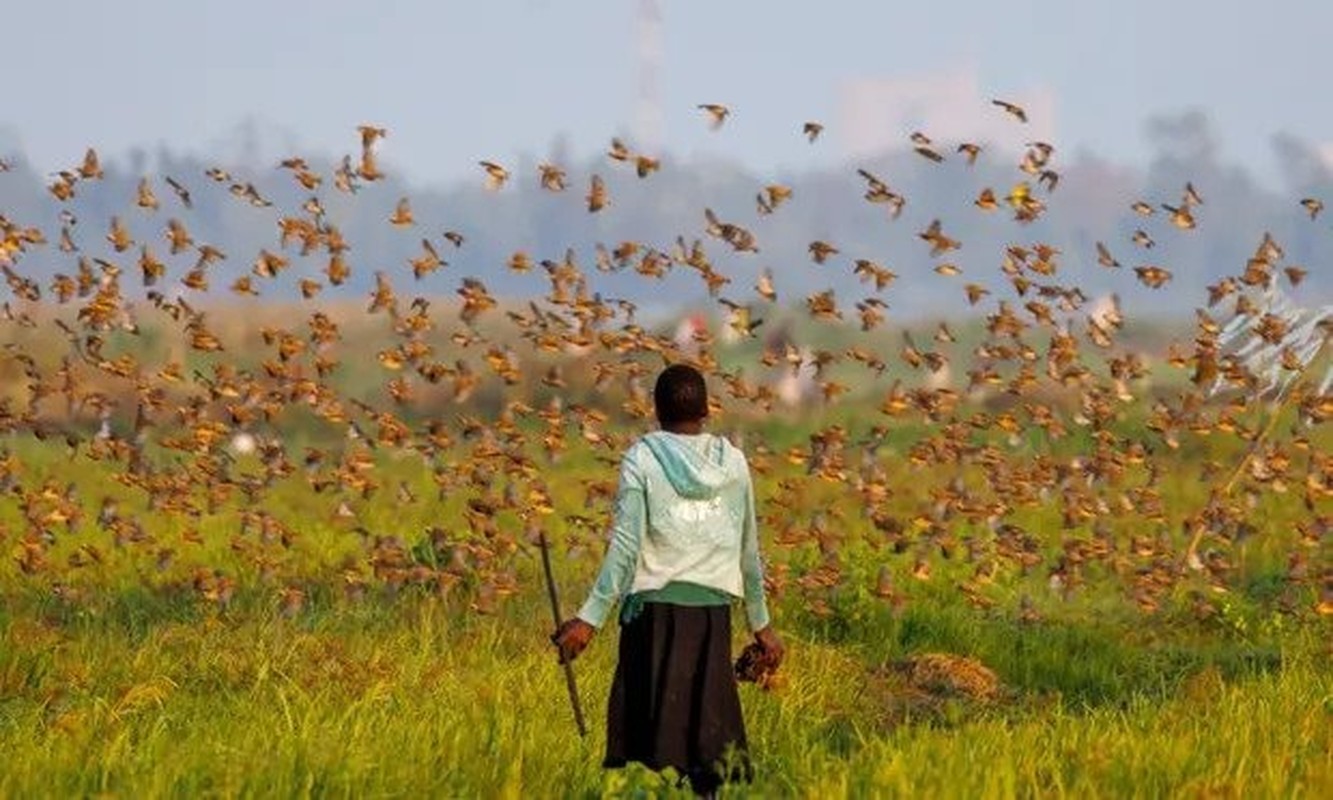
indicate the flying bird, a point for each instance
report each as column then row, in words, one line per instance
column 1013, row 109
column 618, row 151
column 182, row 193
column 1104, row 257
column 496, row 175
column 1153, row 277
column 402, row 214
column 552, row 177
column 971, row 151
column 597, row 199
column 717, row 114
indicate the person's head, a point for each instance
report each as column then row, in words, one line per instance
column 680, row 396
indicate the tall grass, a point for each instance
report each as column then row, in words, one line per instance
column 142, row 698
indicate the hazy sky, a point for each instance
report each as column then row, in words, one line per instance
column 455, row 82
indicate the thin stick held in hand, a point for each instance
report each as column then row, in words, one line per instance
column 555, row 612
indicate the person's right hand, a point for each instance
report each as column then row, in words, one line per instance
column 572, row 637
column 772, row 644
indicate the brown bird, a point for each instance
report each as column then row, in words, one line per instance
column 1313, row 206
column 777, row 194
column 145, row 197
column 645, row 166
column 939, row 243
column 812, row 130
column 928, row 153
column 1104, row 256
column 1180, row 216
column 1191, row 196
column 597, row 197
column 402, row 214
column 717, row 114
column 268, row 265
column 91, row 168
column 618, row 151
column 1153, row 277
column 520, row 261
column 496, row 175
column 552, row 177
column 370, row 134
column 871, row 312
column 764, row 286
column 1013, row 109
column 427, row 262
column 119, row 237
column 868, row 270
column 823, row 306
column 178, row 236
column 182, row 193
column 820, row 251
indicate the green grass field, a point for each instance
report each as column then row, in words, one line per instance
column 121, row 678
column 147, row 698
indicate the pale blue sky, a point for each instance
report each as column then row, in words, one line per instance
column 456, row 82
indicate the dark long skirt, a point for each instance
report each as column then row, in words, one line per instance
column 674, row 701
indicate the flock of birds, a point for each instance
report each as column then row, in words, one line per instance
column 971, row 498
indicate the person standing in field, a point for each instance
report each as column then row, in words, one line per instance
column 684, row 543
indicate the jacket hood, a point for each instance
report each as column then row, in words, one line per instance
column 696, row 472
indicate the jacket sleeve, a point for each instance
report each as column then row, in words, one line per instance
column 622, row 554
column 752, row 571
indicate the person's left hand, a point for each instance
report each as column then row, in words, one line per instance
column 572, row 637
column 772, row 644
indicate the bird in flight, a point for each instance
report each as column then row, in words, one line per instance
column 1015, row 110
column 717, row 114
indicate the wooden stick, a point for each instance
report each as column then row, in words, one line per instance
column 555, row 612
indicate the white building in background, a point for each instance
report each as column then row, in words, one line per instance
column 878, row 114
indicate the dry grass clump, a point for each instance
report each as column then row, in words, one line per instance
column 946, row 675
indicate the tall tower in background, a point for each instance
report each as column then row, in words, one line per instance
column 648, row 111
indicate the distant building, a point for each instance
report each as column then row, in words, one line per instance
column 878, row 114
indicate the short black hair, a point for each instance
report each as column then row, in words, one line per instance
column 680, row 395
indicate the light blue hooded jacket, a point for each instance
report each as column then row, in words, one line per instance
column 684, row 511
